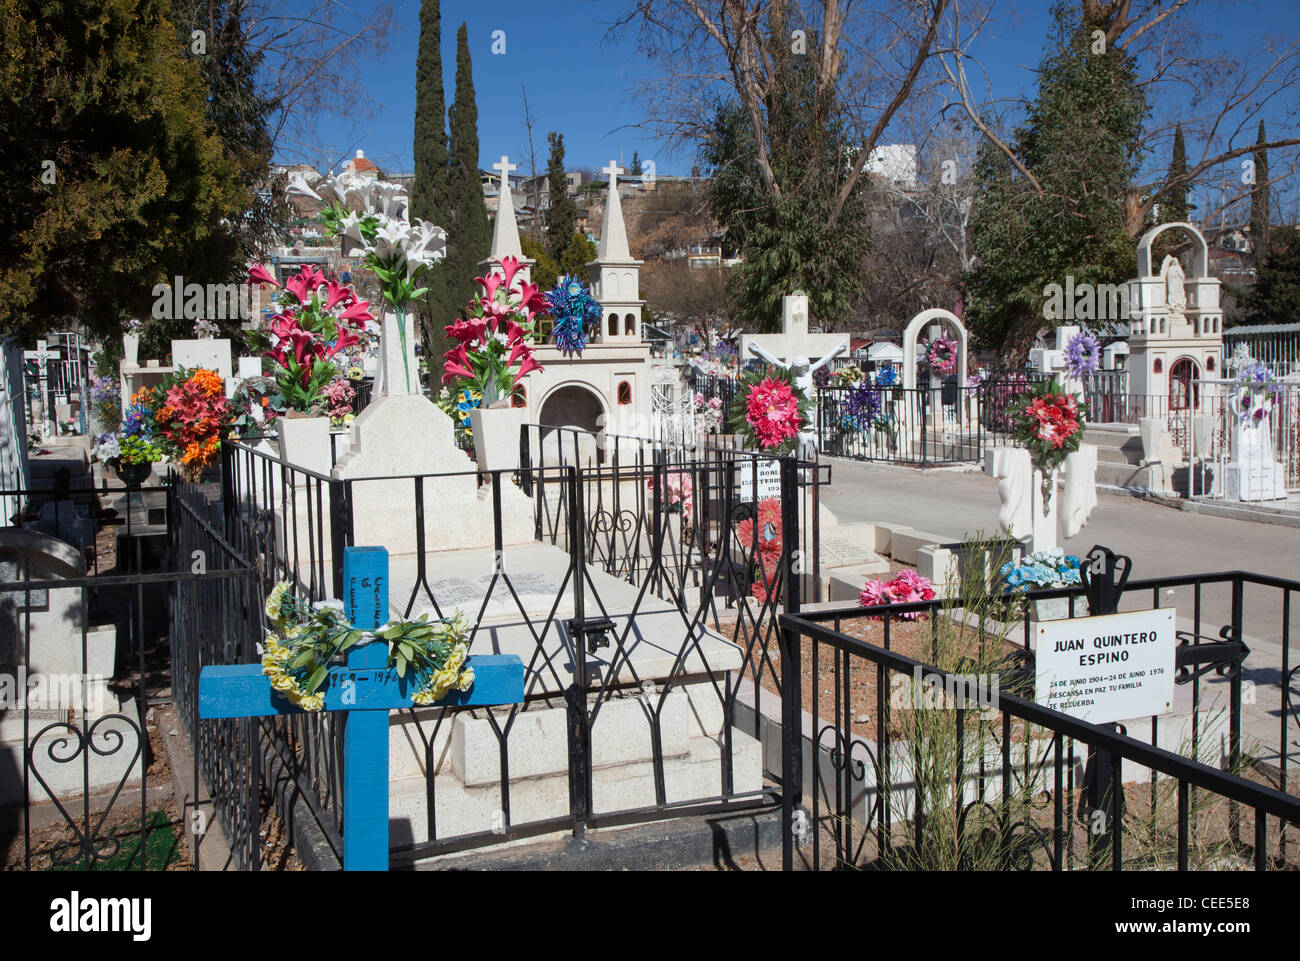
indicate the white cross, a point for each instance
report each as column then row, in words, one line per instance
column 613, row 169
column 505, row 166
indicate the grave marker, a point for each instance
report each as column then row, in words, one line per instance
column 367, row 690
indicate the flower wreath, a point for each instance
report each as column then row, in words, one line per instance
column 574, row 309
column 769, row 410
column 305, row 638
column 1050, row 423
column 941, row 355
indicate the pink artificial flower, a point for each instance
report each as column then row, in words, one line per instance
column 509, row 267
column 345, row 340
column 528, row 366
column 260, row 275
column 518, row 351
column 337, row 293
column 358, row 311
column 490, row 284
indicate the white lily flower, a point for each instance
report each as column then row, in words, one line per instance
column 388, row 199
column 429, row 239
column 390, row 240
column 298, row 187
column 350, row 226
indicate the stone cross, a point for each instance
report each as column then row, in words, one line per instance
column 613, row 169
column 505, row 166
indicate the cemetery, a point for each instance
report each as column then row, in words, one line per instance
column 459, row 551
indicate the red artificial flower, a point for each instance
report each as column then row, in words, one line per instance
column 526, row 367
column 357, row 312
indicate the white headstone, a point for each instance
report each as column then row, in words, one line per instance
column 214, row 355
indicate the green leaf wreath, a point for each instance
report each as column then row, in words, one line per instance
column 769, row 410
column 305, row 638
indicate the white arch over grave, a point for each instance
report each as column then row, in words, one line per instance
column 913, row 331
column 1200, row 267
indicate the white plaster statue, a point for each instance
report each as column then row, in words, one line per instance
column 1079, row 496
column 1175, row 291
column 1015, row 473
column 1022, row 512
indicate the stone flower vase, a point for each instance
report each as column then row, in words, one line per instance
column 305, row 442
column 496, row 436
column 131, row 350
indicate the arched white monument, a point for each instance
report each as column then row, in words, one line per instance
column 935, row 315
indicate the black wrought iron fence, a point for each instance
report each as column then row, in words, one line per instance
column 81, row 785
column 635, row 614
column 1003, row 782
column 923, row 426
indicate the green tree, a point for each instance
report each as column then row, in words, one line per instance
column 1174, row 205
column 561, row 211
column 576, row 256
column 239, row 115
column 545, row 272
column 1275, row 298
column 1259, row 197
column 635, row 169
column 115, row 177
column 787, row 241
column 1079, row 146
column 469, row 239
column 430, row 192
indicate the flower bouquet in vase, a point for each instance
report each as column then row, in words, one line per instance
column 1048, row 422
column 493, row 353
column 317, row 320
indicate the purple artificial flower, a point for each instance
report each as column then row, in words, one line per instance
column 1082, row 355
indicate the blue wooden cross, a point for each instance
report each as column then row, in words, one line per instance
column 366, row 689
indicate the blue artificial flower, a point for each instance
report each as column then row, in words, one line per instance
column 1073, row 561
column 1014, row 578
column 466, row 401
column 572, row 306
column 886, row 377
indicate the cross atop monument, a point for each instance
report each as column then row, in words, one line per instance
column 613, row 169
column 505, row 166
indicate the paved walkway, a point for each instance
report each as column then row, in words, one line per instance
column 1162, row 541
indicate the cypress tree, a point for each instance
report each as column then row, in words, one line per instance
column 562, row 212
column 635, row 169
column 1259, row 225
column 430, row 193
column 1173, row 200
column 470, row 238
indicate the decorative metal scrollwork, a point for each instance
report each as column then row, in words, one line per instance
column 89, row 844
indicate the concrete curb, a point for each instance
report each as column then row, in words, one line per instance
column 1257, row 515
column 212, row 851
column 311, row 844
column 678, row 844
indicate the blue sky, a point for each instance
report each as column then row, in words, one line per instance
column 582, row 84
